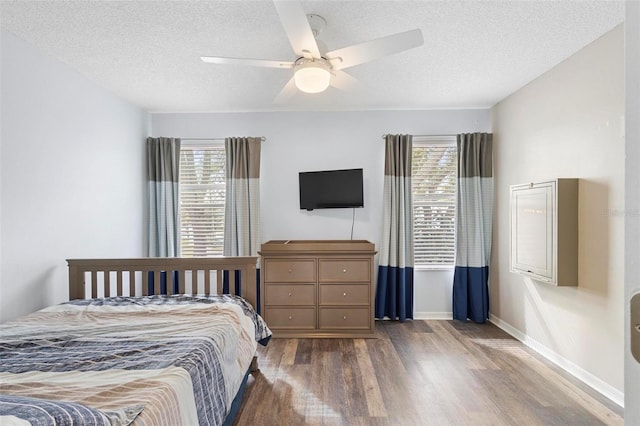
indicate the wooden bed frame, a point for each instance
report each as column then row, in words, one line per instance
column 91, row 278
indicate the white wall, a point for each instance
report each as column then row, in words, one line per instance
column 72, row 176
column 632, row 207
column 569, row 123
column 305, row 141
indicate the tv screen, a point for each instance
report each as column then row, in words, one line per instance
column 330, row 189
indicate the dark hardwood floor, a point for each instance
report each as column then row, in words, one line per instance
column 417, row 373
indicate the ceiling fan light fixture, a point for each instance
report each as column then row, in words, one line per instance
column 312, row 76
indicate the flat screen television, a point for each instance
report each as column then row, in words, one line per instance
column 331, row 189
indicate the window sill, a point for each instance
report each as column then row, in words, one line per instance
column 433, row 268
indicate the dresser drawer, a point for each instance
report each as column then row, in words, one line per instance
column 344, row 294
column 303, row 318
column 290, row 294
column 345, row 318
column 290, row 271
column 343, row 270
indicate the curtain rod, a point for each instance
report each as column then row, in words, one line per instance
column 384, row 135
column 213, row 139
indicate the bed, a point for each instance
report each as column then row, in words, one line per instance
column 140, row 341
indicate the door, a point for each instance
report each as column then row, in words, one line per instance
column 632, row 206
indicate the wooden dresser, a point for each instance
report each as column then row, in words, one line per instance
column 318, row 288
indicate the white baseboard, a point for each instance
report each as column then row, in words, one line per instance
column 433, row 315
column 599, row 385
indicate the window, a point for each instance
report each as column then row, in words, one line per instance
column 202, row 197
column 433, row 187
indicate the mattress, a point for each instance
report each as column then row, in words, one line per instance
column 161, row 360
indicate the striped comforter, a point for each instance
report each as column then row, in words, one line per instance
column 161, row 360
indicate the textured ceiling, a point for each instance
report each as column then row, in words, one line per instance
column 147, row 52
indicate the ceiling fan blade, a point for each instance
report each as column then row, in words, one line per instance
column 297, row 27
column 247, row 61
column 345, row 82
column 374, row 49
column 287, row 92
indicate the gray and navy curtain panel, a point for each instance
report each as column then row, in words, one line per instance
column 394, row 291
column 163, row 160
column 473, row 227
column 242, row 202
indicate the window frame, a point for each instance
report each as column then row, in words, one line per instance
column 422, row 142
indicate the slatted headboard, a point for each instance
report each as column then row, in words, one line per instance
column 91, row 278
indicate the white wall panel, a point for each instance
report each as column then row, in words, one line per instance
column 569, row 123
column 72, row 176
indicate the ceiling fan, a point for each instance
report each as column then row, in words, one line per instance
column 315, row 69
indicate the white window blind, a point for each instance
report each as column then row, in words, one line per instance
column 202, row 198
column 434, row 182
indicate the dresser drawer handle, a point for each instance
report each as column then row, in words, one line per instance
column 344, row 294
column 290, row 317
column 344, row 271
column 290, row 270
column 344, row 317
column 289, row 294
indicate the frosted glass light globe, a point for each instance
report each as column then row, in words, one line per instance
column 312, row 76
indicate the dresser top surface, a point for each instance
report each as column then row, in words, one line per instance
column 317, row 246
